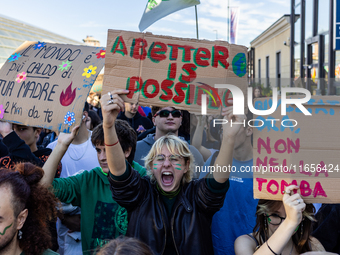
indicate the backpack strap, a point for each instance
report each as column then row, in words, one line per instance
column 255, row 240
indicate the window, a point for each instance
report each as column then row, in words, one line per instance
column 267, row 72
column 278, row 70
column 259, row 68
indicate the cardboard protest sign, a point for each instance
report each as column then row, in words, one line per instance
column 167, row 71
column 298, row 149
column 46, row 85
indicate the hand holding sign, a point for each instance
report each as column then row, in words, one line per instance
column 294, row 206
column 112, row 104
column 233, row 122
column 5, row 128
column 66, row 139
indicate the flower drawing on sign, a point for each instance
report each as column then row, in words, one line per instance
column 69, row 118
column 89, row 71
column 67, row 98
column 2, row 111
column 39, row 45
column 64, row 65
column 14, row 57
column 21, row 77
column 101, row 54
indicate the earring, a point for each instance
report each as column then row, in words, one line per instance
column 19, row 234
column 301, row 228
column 265, row 223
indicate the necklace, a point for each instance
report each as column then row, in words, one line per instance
column 77, row 159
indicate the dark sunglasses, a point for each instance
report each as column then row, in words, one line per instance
column 166, row 113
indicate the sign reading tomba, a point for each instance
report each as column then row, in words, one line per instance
column 164, row 71
column 298, row 149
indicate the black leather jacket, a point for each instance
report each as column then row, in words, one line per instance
column 190, row 220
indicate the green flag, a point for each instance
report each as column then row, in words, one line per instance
column 157, row 9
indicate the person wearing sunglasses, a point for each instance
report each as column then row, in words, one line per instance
column 167, row 210
column 282, row 227
column 166, row 120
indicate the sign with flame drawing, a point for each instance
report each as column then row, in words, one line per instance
column 46, row 85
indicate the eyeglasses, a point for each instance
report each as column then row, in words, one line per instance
column 166, row 113
column 160, row 158
column 275, row 219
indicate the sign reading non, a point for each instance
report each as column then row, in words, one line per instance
column 298, row 149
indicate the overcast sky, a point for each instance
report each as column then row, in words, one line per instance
column 76, row 19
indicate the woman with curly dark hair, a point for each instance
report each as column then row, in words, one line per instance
column 26, row 207
column 282, row 227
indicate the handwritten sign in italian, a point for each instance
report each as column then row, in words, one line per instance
column 46, row 85
column 164, row 71
column 298, row 149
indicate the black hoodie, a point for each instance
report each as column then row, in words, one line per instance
column 139, row 123
column 19, row 151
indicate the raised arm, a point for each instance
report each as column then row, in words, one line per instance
column 294, row 206
column 225, row 156
column 51, row 165
column 111, row 104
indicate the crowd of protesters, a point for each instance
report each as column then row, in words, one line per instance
column 124, row 182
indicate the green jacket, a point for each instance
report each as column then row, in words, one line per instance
column 102, row 219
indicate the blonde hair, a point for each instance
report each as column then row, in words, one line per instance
column 176, row 146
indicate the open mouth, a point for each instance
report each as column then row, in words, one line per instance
column 167, row 178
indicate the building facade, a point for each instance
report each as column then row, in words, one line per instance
column 13, row 33
column 315, row 59
column 269, row 54
column 300, row 52
column 90, row 40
